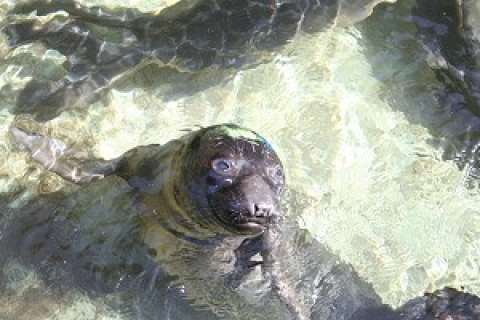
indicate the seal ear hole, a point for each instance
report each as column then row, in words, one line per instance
column 276, row 173
column 279, row 171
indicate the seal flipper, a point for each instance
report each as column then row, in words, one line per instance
column 55, row 156
column 143, row 167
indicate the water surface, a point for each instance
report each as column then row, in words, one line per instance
column 352, row 113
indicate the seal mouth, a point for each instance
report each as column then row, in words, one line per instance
column 248, row 219
column 258, row 218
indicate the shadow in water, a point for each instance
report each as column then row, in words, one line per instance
column 419, row 36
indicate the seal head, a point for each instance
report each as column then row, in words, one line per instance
column 235, row 176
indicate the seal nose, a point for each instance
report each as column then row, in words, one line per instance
column 260, row 200
column 263, row 210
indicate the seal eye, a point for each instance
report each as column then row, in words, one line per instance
column 222, row 166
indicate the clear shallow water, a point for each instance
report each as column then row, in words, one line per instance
column 353, row 115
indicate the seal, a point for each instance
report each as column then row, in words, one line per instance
column 240, row 185
column 212, row 193
column 209, row 213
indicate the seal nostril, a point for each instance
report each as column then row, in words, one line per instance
column 262, row 210
column 253, row 210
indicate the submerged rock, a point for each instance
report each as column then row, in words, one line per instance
column 188, row 36
column 450, row 32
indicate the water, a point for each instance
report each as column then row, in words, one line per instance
column 352, row 113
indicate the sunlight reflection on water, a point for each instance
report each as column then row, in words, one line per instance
column 349, row 115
